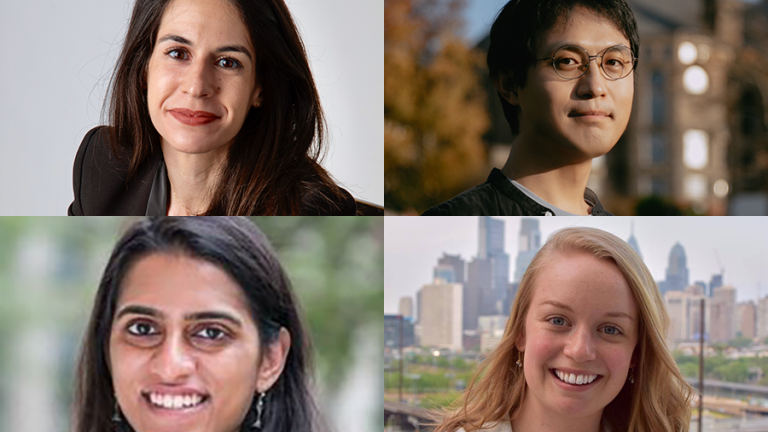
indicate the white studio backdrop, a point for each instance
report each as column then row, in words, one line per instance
column 56, row 59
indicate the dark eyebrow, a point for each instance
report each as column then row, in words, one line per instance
column 195, row 316
column 568, row 308
column 228, row 48
column 213, row 315
column 138, row 310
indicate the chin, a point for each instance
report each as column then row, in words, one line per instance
column 194, row 143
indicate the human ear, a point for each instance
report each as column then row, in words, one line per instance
column 273, row 361
column 256, row 102
column 506, row 87
column 520, row 342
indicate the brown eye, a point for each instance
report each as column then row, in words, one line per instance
column 229, row 63
column 141, row 329
column 211, row 333
column 176, row 54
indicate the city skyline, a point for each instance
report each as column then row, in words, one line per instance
column 739, row 245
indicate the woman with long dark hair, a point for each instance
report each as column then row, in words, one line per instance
column 212, row 110
column 195, row 328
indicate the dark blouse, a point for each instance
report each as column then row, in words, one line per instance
column 100, row 188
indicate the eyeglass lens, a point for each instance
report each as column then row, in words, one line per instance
column 573, row 61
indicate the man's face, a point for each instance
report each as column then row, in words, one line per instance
column 578, row 119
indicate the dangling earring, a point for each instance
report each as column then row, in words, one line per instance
column 631, row 375
column 116, row 417
column 519, row 361
column 259, row 410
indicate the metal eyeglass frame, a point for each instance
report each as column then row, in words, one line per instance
column 589, row 62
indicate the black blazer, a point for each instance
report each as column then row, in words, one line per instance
column 98, row 180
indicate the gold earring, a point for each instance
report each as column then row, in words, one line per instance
column 519, row 361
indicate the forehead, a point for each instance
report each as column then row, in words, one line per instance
column 214, row 21
column 583, row 27
column 177, row 283
column 589, row 285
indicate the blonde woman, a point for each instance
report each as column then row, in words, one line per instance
column 583, row 350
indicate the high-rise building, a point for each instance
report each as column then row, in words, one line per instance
column 677, row 270
column 406, row 307
column 633, row 241
column 441, row 320
column 528, row 244
column 715, row 282
column 762, row 319
column 478, row 296
column 747, row 317
column 684, row 309
column 491, row 247
column 491, row 329
column 392, row 328
column 456, row 263
column 444, row 273
column 722, row 314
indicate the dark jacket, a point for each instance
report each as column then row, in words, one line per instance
column 100, row 188
column 499, row 197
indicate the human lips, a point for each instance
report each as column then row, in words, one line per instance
column 175, row 399
column 575, row 378
column 596, row 114
column 193, row 118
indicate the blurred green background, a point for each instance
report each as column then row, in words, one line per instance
column 50, row 268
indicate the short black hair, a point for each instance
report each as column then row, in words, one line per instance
column 519, row 25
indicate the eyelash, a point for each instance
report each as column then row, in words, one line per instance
column 223, row 334
column 237, row 64
column 618, row 331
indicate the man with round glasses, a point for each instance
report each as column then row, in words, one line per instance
column 564, row 71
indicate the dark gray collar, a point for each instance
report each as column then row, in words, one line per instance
column 158, row 195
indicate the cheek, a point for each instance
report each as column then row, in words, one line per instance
column 540, row 347
column 618, row 359
column 160, row 84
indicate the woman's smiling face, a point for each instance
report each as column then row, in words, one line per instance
column 201, row 77
column 184, row 350
column 582, row 321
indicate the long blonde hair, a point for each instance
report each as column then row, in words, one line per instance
column 658, row 401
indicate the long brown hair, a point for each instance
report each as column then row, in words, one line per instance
column 658, row 401
column 274, row 162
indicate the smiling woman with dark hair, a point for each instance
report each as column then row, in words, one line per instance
column 194, row 328
column 212, row 110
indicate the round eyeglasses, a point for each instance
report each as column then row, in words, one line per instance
column 572, row 61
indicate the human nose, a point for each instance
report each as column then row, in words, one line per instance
column 198, row 80
column 580, row 346
column 172, row 360
column 593, row 83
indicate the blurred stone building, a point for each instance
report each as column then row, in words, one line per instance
column 697, row 136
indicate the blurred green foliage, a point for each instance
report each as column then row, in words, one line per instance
column 50, row 269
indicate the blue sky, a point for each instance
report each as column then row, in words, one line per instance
column 479, row 16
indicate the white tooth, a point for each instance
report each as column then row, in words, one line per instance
column 196, row 399
column 187, row 400
column 168, row 401
column 572, row 379
column 592, row 378
column 580, row 379
column 178, row 401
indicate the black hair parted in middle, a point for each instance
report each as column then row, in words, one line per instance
column 520, row 24
column 239, row 248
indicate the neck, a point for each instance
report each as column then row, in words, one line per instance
column 533, row 416
column 193, row 178
column 543, row 170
